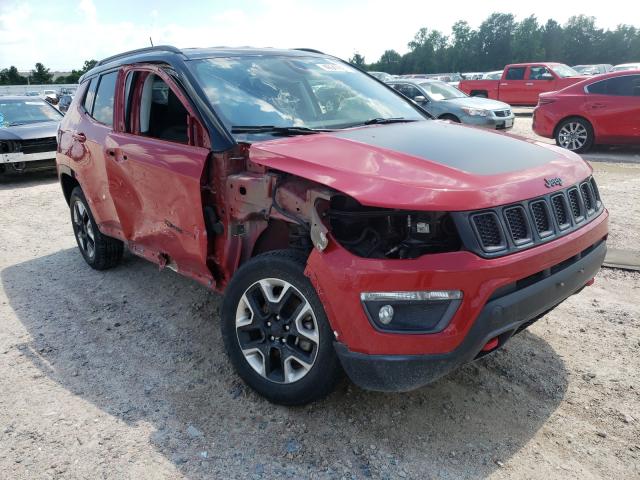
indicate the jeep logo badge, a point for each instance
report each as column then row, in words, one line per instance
column 553, row 182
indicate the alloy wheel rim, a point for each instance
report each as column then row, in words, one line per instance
column 277, row 330
column 84, row 229
column 573, row 136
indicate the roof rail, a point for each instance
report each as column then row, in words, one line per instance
column 311, row 50
column 158, row 48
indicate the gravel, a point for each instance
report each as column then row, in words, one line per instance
column 122, row 374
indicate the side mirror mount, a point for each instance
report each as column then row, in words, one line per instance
column 546, row 76
column 420, row 99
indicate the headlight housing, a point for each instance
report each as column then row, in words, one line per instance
column 386, row 233
column 475, row 112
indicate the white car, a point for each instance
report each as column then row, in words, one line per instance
column 626, row 66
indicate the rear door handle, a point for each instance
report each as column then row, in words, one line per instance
column 529, row 84
column 598, row 105
column 81, row 137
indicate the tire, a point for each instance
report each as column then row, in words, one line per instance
column 99, row 251
column 283, row 353
column 480, row 94
column 575, row 134
column 450, row 117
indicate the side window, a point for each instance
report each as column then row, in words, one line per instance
column 515, row 73
column 538, row 72
column 90, row 95
column 598, row 88
column 626, row 86
column 103, row 106
column 409, row 91
column 162, row 114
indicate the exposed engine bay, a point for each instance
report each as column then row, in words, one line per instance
column 383, row 233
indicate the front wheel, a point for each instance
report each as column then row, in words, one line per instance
column 276, row 331
column 575, row 134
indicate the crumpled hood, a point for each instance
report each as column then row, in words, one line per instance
column 29, row 131
column 427, row 165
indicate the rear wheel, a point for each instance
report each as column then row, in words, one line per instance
column 98, row 250
column 575, row 134
column 276, row 331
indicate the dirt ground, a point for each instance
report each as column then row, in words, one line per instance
column 122, row 374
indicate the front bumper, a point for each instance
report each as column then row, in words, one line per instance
column 490, row 121
column 500, row 318
column 340, row 277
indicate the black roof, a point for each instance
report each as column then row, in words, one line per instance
column 170, row 54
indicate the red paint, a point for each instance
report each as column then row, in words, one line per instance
column 615, row 119
column 390, row 179
column 590, row 282
column 519, row 92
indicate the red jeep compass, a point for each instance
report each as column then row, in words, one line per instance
column 347, row 230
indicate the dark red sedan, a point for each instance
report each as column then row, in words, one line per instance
column 599, row 110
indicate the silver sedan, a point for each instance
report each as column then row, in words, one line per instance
column 448, row 103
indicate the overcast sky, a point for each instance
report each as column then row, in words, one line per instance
column 63, row 33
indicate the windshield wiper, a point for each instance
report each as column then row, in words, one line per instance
column 276, row 130
column 380, row 121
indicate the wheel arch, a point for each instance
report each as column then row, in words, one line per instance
column 449, row 116
column 68, row 182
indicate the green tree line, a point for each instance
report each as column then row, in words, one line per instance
column 41, row 75
column 501, row 40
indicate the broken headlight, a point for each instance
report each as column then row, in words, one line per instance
column 385, row 233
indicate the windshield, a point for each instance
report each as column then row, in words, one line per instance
column 286, row 91
column 441, row 91
column 564, row 71
column 23, row 112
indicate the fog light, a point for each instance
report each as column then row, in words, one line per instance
column 385, row 314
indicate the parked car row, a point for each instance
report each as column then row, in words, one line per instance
column 346, row 230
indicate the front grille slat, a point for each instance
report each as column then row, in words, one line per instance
column 518, row 225
column 541, row 218
column 560, row 211
column 574, row 203
column 489, row 231
column 587, row 197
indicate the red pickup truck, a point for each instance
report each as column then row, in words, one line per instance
column 521, row 83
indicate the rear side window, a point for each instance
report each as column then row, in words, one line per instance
column 103, row 105
column 516, row 73
column 537, row 73
column 90, row 95
column 626, row 86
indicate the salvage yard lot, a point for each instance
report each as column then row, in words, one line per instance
column 122, row 374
